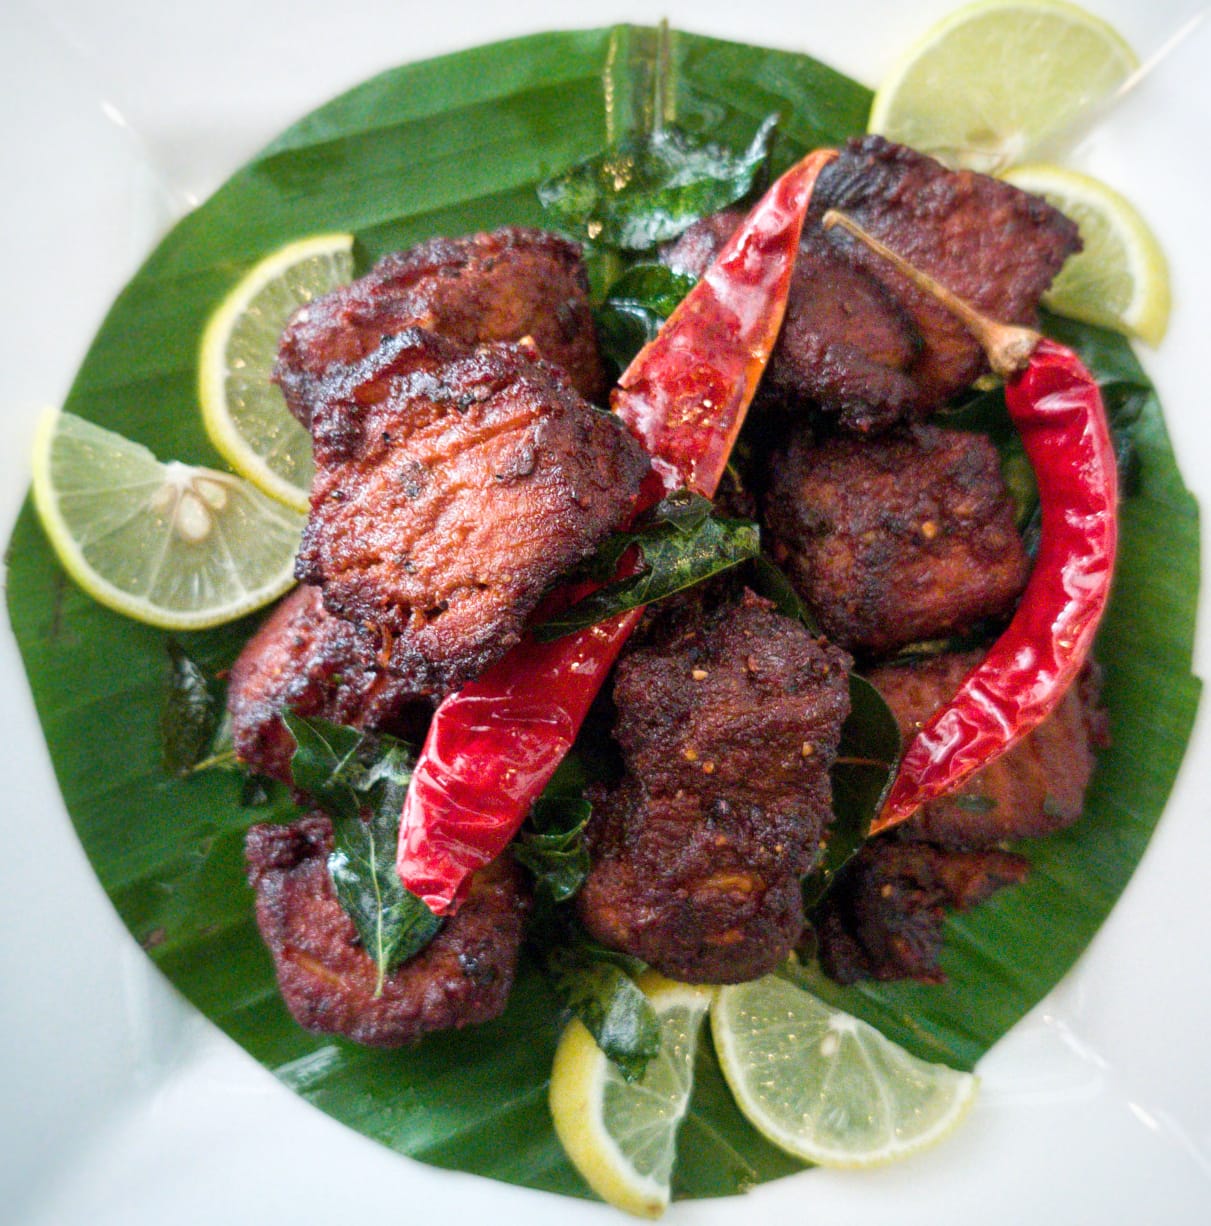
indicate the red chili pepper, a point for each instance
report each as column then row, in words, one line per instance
column 494, row 745
column 1056, row 405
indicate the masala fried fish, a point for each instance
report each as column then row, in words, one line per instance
column 728, row 724
column 504, row 285
column 896, row 539
column 454, row 485
column 859, row 341
column 308, row 661
column 328, row 981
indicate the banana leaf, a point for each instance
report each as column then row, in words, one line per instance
column 446, row 147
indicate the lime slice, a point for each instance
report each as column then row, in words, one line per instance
column 823, row 1085
column 1121, row 278
column 167, row 544
column 245, row 413
column 995, row 81
column 621, row 1136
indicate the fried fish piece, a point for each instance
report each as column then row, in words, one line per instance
column 500, row 286
column 897, row 539
column 319, row 666
column 453, row 486
column 1037, row 787
column 462, row 977
column 859, row 341
column 729, row 722
column 883, row 917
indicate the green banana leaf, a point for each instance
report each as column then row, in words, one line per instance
column 445, row 147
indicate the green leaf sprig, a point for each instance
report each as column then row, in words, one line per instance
column 360, row 782
column 552, row 845
column 647, row 188
column 682, row 544
column 636, row 306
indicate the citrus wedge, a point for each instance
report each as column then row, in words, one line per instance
column 621, row 1136
column 244, row 411
column 995, row 81
column 1120, row 279
column 171, row 545
column 825, row 1086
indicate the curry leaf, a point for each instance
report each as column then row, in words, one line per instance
column 646, row 189
column 681, row 544
column 360, row 782
column 596, row 986
column 552, row 845
column 189, row 713
column 392, row 923
column 636, row 306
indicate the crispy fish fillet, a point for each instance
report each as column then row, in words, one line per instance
column 453, row 486
column 305, row 659
column 897, row 539
column 1036, row 788
column 501, row 286
column 859, row 341
column 728, row 723
column 463, row 976
column 883, row 917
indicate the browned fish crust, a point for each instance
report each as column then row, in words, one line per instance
column 319, row 666
column 327, row 979
column 859, row 341
column 453, row 487
column 728, row 723
column 1036, row 788
column 897, row 539
column 500, row 286
column 883, row 917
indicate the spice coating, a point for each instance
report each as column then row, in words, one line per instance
column 453, row 486
column 897, row 539
column 499, row 286
column 317, row 665
column 860, row 341
column 728, row 725
column 463, row 976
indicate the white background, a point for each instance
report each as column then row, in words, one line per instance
column 118, row 1103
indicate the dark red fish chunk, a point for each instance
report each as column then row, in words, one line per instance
column 462, row 977
column 1036, row 788
column 728, row 723
column 501, row 286
column 898, row 539
column 883, row 917
column 319, row 666
column 453, row 487
column 859, row 341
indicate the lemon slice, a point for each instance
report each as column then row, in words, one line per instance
column 245, row 413
column 825, row 1086
column 995, row 81
column 621, row 1136
column 1120, row 279
column 167, row 544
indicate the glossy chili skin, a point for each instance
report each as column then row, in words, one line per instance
column 1056, row 405
column 494, row 745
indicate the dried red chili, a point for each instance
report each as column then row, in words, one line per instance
column 1057, row 407
column 494, row 745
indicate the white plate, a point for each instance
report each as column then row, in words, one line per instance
column 119, row 1103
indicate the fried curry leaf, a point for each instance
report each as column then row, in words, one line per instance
column 189, row 713
column 636, row 306
column 681, row 544
column 597, row 985
column 360, row 782
column 645, row 189
column 552, row 845
column 866, row 760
